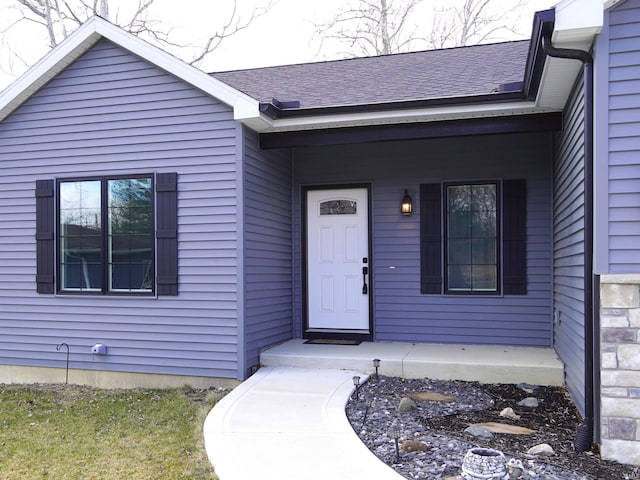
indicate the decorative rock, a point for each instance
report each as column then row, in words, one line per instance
column 413, row 446
column 510, row 414
column 407, row 405
column 530, row 402
column 495, row 427
column 527, row 387
column 432, row 397
column 544, row 449
column 479, row 432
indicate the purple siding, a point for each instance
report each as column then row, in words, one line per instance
column 568, row 252
column 112, row 113
column 267, row 260
column 624, row 138
column 401, row 312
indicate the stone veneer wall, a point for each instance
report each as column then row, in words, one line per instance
column 620, row 367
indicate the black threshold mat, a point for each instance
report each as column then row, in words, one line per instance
column 331, row 341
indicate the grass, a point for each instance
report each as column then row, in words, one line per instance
column 70, row 432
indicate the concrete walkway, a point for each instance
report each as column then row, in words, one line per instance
column 288, row 420
column 290, row 423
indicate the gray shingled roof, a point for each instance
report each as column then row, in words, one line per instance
column 453, row 72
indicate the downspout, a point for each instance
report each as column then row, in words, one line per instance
column 584, row 435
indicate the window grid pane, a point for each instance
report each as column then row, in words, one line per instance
column 471, row 238
column 130, row 238
column 80, row 236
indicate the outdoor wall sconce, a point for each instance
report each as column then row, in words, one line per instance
column 406, row 207
column 376, row 365
column 356, row 383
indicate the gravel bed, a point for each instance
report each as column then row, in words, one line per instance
column 374, row 417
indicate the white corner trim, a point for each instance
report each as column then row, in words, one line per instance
column 86, row 36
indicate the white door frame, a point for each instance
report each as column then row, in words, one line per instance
column 338, row 333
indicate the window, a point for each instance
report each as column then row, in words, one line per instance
column 339, row 207
column 473, row 238
column 105, row 240
column 105, row 234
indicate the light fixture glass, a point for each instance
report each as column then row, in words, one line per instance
column 376, row 365
column 406, row 207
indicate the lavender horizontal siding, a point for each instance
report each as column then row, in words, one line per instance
column 624, row 138
column 401, row 312
column 568, row 252
column 267, row 259
column 112, row 113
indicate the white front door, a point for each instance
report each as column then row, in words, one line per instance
column 338, row 260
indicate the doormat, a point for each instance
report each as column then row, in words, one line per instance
column 330, row 341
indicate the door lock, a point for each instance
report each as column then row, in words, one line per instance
column 365, row 271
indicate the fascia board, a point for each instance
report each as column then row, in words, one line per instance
column 87, row 35
column 404, row 116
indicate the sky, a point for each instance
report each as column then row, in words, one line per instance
column 285, row 35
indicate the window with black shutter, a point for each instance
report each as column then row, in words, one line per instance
column 473, row 238
column 105, row 237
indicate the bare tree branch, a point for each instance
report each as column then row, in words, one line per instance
column 372, row 27
column 59, row 17
column 234, row 25
column 378, row 27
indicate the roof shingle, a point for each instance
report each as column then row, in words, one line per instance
column 425, row 75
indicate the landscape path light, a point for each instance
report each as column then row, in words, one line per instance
column 394, row 434
column 367, row 406
column 376, row 365
column 356, row 383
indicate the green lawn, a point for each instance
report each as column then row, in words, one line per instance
column 69, row 432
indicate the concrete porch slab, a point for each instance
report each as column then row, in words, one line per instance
column 482, row 363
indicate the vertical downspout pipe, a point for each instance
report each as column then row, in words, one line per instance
column 584, row 435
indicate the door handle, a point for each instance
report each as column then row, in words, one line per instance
column 365, row 270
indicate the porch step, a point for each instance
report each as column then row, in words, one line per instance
column 481, row 363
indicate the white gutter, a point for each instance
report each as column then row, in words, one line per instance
column 432, row 114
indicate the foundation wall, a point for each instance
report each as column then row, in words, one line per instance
column 10, row 374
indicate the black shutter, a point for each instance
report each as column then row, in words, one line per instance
column 514, row 197
column 45, row 245
column 430, row 238
column 167, row 233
